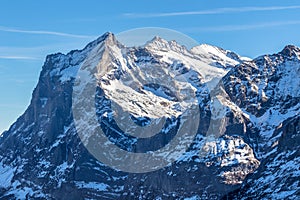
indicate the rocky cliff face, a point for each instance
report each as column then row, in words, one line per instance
column 254, row 152
column 267, row 90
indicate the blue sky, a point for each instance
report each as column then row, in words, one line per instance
column 29, row 30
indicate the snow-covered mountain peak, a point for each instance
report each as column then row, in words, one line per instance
column 158, row 43
column 98, row 40
column 203, row 49
column 134, row 73
column 218, row 56
column 291, row 51
column 206, row 48
column 157, row 39
column 65, row 66
column 126, row 71
column 111, row 40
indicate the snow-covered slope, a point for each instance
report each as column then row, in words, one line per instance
column 217, row 56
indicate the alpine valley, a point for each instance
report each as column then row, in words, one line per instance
column 253, row 154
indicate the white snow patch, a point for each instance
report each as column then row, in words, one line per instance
column 6, row 175
column 22, row 193
column 68, row 73
column 44, row 101
column 92, row 185
column 196, row 197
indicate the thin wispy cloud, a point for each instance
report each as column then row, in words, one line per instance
column 212, row 11
column 242, row 26
column 18, row 57
column 43, row 32
column 38, row 53
column 23, row 53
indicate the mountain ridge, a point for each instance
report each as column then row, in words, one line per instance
column 42, row 146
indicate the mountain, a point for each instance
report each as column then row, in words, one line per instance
column 245, row 141
column 267, row 90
